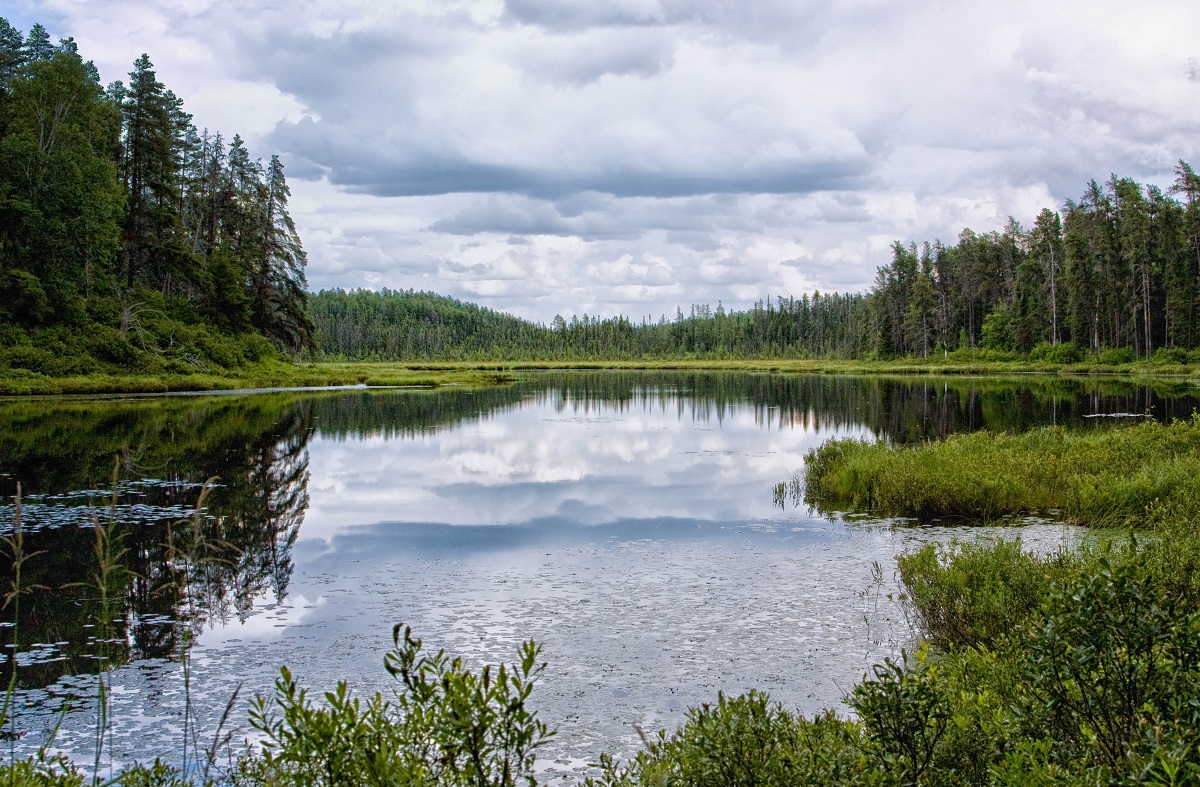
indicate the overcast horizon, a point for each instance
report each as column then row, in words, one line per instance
column 631, row 156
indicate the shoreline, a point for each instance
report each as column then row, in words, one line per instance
column 334, row 375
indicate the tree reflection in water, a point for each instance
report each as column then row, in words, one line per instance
column 180, row 574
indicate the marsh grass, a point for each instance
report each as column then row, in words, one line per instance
column 1106, row 477
column 267, row 375
column 14, row 547
column 188, row 548
column 275, row 373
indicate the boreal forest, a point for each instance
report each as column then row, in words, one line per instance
column 129, row 238
column 133, row 240
column 1114, row 276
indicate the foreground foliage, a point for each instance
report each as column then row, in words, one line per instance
column 1097, row 683
column 444, row 725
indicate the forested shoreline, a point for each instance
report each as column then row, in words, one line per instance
column 1113, row 277
column 132, row 241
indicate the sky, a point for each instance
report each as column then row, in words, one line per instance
column 607, row 157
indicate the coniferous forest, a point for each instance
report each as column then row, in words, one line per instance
column 1114, row 276
column 130, row 239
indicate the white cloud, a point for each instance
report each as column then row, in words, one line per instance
column 563, row 156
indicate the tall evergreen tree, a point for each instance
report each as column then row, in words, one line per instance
column 12, row 53
column 1046, row 247
column 37, row 45
column 279, row 281
column 149, row 168
column 1186, row 279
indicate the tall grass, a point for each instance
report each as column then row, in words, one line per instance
column 1102, row 477
column 188, row 548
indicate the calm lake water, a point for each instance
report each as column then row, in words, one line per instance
column 624, row 521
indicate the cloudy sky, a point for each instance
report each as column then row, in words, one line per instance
column 628, row 156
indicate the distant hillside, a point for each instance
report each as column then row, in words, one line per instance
column 409, row 325
column 1110, row 278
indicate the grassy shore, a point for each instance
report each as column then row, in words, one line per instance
column 274, row 374
column 281, row 374
column 1101, row 477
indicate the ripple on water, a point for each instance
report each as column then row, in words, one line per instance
column 634, row 631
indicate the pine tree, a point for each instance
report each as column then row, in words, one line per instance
column 279, row 281
column 1186, row 284
column 37, row 45
column 1046, row 243
column 12, row 54
column 154, row 246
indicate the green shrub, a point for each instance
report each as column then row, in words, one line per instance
column 1061, row 353
column 904, row 714
column 158, row 774
column 1112, row 669
column 255, row 347
column 1116, row 356
column 106, row 344
column 747, row 741
column 26, row 356
column 445, row 725
column 22, row 298
column 220, row 350
column 974, row 594
column 12, row 335
column 1170, row 355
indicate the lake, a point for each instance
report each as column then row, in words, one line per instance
column 624, row 520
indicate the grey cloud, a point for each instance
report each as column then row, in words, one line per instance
column 801, row 24
column 1191, row 69
column 377, row 124
column 339, row 153
column 351, row 158
column 576, row 14
column 580, row 59
column 590, row 216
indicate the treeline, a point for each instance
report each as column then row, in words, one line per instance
column 1114, row 275
column 1118, row 270
column 410, row 325
column 128, row 236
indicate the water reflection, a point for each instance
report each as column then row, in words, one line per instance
column 335, row 514
column 900, row 409
column 172, row 573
